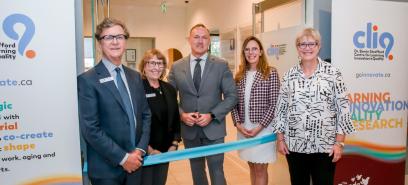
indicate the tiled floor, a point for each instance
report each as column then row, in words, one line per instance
column 236, row 170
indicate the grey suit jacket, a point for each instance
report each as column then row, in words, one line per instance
column 217, row 94
column 104, row 122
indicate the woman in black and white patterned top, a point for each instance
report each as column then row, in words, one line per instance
column 312, row 115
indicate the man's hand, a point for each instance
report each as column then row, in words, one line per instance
column 204, row 119
column 133, row 162
column 189, row 118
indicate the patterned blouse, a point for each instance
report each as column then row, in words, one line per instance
column 311, row 111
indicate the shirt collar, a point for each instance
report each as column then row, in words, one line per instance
column 203, row 57
column 319, row 64
column 111, row 67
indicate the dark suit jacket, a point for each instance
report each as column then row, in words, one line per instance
column 104, row 123
column 172, row 126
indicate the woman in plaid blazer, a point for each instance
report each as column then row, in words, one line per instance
column 258, row 90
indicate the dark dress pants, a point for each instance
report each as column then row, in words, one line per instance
column 155, row 174
column 215, row 163
column 318, row 166
column 123, row 179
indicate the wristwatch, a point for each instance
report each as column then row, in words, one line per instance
column 339, row 143
column 212, row 115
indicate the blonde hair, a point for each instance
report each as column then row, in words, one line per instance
column 147, row 56
column 262, row 65
column 308, row 32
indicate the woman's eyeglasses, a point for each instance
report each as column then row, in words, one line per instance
column 152, row 63
column 304, row 45
column 253, row 50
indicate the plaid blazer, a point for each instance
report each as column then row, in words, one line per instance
column 262, row 102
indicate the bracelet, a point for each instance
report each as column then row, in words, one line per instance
column 339, row 143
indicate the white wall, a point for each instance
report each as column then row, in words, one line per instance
column 226, row 15
column 167, row 28
column 285, row 16
column 171, row 29
column 148, row 21
column 234, row 17
column 223, row 15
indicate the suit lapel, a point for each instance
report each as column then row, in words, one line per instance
column 132, row 86
column 208, row 65
column 102, row 73
column 242, row 82
column 258, row 78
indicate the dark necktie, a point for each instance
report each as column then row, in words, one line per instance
column 197, row 74
column 128, row 104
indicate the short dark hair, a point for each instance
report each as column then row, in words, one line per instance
column 199, row 25
column 108, row 23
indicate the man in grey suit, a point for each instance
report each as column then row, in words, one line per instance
column 207, row 93
column 113, row 112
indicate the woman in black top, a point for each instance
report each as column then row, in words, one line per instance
column 165, row 127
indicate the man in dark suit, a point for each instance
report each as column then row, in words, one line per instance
column 113, row 112
column 207, row 93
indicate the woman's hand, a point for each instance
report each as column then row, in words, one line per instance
column 152, row 151
column 172, row 148
column 282, row 147
column 337, row 152
column 255, row 131
column 155, row 152
column 242, row 130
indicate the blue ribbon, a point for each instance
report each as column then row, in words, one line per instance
column 204, row 150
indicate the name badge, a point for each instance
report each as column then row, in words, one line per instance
column 151, row 95
column 107, row 79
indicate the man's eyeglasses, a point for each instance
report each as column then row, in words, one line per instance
column 253, row 50
column 110, row 38
column 304, row 45
column 152, row 63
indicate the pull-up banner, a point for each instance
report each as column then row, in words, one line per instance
column 39, row 138
column 369, row 45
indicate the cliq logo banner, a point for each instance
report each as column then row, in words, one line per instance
column 372, row 45
column 371, row 53
column 39, row 134
column 8, row 50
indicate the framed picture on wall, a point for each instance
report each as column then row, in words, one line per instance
column 232, row 44
column 131, row 55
